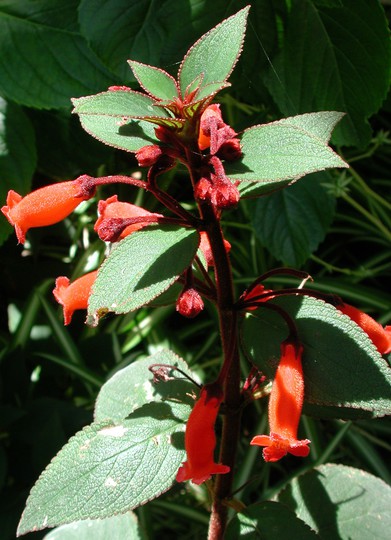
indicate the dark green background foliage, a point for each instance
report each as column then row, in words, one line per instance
column 299, row 56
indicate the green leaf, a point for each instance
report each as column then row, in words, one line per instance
column 142, row 266
column 108, row 118
column 205, row 55
column 154, row 81
column 108, row 469
column 338, row 360
column 341, row 502
column 118, row 103
column 43, row 63
column 337, row 57
column 280, row 152
column 115, row 528
column 292, row 222
column 132, row 387
column 268, row 521
column 16, row 167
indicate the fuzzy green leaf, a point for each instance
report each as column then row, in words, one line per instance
column 268, row 521
column 115, row 528
column 140, row 267
column 340, row 502
column 44, row 61
column 155, row 82
column 133, row 387
column 108, row 469
column 333, row 56
column 292, row 222
column 109, row 118
column 338, row 360
column 205, row 57
column 281, row 152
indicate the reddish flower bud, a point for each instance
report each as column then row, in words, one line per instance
column 203, row 189
column 148, row 155
column 189, row 303
column 207, row 250
column 381, row 337
column 200, row 438
column 73, row 296
column 119, row 88
column 111, row 210
column 285, row 404
column 44, row 206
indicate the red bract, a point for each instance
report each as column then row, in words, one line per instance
column 112, row 209
column 73, row 296
column 285, row 404
column 381, row 337
column 200, row 438
column 44, row 206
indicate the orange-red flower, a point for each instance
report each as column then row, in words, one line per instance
column 75, row 295
column 44, row 206
column 112, row 209
column 285, row 404
column 200, row 438
column 381, row 337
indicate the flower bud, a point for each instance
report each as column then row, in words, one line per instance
column 189, row 303
column 148, row 155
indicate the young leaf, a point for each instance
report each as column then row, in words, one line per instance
column 132, row 387
column 347, row 69
column 119, row 103
column 156, row 82
column 282, row 151
column 142, row 266
column 115, row 528
column 108, row 117
column 338, row 501
column 109, row 469
column 292, row 222
column 268, row 520
column 338, row 360
column 205, row 55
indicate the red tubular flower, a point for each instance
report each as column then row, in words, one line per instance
column 44, row 206
column 111, row 208
column 381, row 337
column 73, row 296
column 285, row 404
column 200, row 438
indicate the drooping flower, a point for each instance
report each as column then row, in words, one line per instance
column 285, row 404
column 44, row 206
column 75, row 295
column 112, row 209
column 200, row 438
column 217, row 187
column 218, row 136
column 381, row 337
